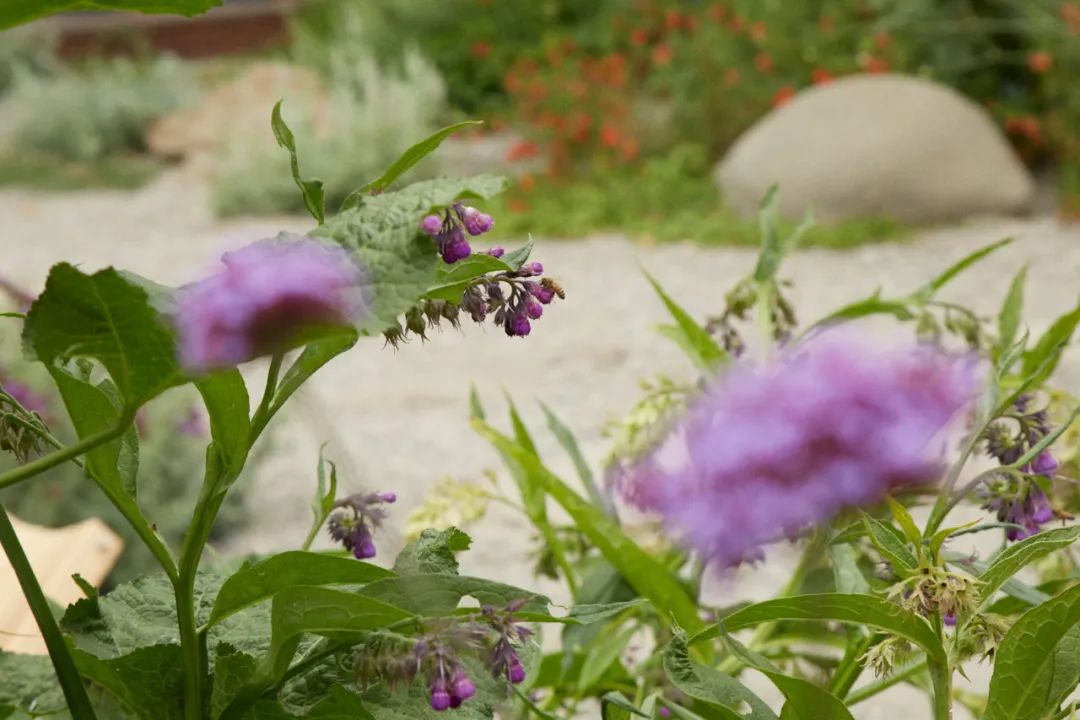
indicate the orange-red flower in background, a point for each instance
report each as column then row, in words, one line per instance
column 732, row 77
column 662, row 54
column 639, row 36
column 876, row 65
column 717, row 11
column 882, row 40
column 825, row 24
column 763, row 61
column 1040, row 61
column 522, row 150
column 783, row 96
column 610, row 136
column 480, row 49
column 629, row 148
column 820, row 76
column 759, row 30
column 672, row 20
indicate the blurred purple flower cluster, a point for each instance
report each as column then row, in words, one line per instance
column 356, row 519
column 768, row 450
column 450, row 230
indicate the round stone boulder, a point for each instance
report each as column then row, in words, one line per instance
column 877, row 146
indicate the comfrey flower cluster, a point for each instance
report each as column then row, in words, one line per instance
column 450, row 230
column 268, row 295
column 769, row 450
column 437, row 656
column 1017, row 500
column 355, row 519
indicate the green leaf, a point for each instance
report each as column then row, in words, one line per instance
column 226, row 398
column 321, row 611
column 1026, row 662
column 585, row 614
column 383, row 231
column 413, row 155
column 904, row 520
column 1041, row 361
column 1009, row 561
column 566, row 439
column 774, row 248
column 872, row 305
column 1012, row 310
column 891, row 546
column 517, row 258
column 849, row 579
column 432, row 552
column 29, row 683
column 648, row 577
column 147, row 681
column 325, row 497
column 805, row 700
column 471, row 267
column 476, row 408
column 113, row 465
column 18, row 12
column 926, row 292
column 859, row 609
column 232, row 669
column 108, row 318
column 264, row 579
column 602, row 654
column 693, row 338
column 310, row 188
column 720, row 692
column 615, row 706
column 434, row 594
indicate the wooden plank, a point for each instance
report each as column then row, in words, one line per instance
column 89, row 548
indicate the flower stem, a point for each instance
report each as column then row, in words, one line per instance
column 74, row 692
column 872, row 689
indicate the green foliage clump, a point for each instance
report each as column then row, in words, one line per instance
column 90, row 112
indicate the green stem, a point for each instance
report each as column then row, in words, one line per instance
column 941, row 507
column 74, row 692
column 47, row 462
column 942, row 680
column 850, row 667
column 266, row 409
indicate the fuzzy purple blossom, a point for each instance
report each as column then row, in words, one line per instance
column 770, row 450
column 475, row 222
column 432, row 225
column 267, row 295
column 497, row 252
column 355, row 520
column 1026, row 511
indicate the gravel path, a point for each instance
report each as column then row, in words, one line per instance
column 398, row 420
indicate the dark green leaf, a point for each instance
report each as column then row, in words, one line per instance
column 321, row 611
column 264, row 579
column 432, row 552
column 516, row 258
column 17, row 12
column 400, row 262
column 1012, row 310
column 586, row 614
column 232, row 670
column 859, row 609
column 774, row 248
column 1041, row 361
column 105, row 317
column 904, row 520
column 29, row 683
column 1009, row 561
column 615, row 706
column 693, row 338
column 226, row 398
column 651, row 579
column 805, row 700
column 471, row 267
column 310, row 188
column 413, row 155
column 433, row 594
column 872, row 305
column 147, row 681
column 926, row 292
column 1026, row 672
column 720, row 692
column 602, row 654
column 891, row 545
column 848, row 577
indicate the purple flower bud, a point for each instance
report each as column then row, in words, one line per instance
column 533, row 309
column 432, row 225
column 515, row 673
column 949, row 619
column 387, row 497
column 664, row 712
column 1045, row 463
column 496, row 251
column 456, row 249
column 518, row 325
column 476, row 222
column 440, row 696
column 463, row 687
column 533, row 268
column 364, row 549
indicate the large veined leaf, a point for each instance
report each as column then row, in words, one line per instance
column 108, row 318
column 1030, row 674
